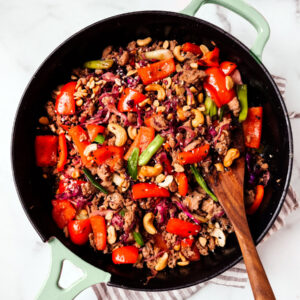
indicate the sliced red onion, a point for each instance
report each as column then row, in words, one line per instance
column 236, row 77
column 109, row 77
column 160, row 253
column 185, row 210
column 225, row 126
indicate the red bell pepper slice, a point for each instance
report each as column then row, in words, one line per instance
column 183, row 184
column 66, row 185
column 182, row 228
column 110, row 155
column 160, row 242
column 157, row 71
column 252, row 127
column 125, row 255
column 81, row 141
column 62, row 152
column 129, row 100
column 210, row 59
column 227, row 67
column 65, row 103
column 194, row 254
column 145, row 190
column 187, row 242
column 99, row 230
column 63, row 212
column 93, row 131
column 193, row 48
column 194, row 156
column 258, row 199
column 79, row 231
column 216, row 87
column 45, row 150
column 142, row 140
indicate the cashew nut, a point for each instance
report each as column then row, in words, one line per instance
column 178, row 168
column 181, row 114
column 111, row 234
column 144, row 42
column 168, row 180
column 82, row 215
column 220, row 237
column 149, row 171
column 162, row 262
column 177, row 54
column 204, row 49
column 182, row 257
column 219, row 167
column 148, row 223
column 194, row 65
column 132, row 132
column 229, row 83
column 88, row 149
column 160, row 178
column 230, row 156
column 144, row 102
column 202, row 241
column 199, row 118
column 179, row 90
column 160, row 109
column 177, row 247
column 119, row 132
column 159, row 54
column 161, row 94
column 167, row 82
column 200, row 97
column 121, row 182
column 190, row 99
column 166, row 44
column 183, row 263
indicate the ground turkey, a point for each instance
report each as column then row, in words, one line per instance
column 192, row 76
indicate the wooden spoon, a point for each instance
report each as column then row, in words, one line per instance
column 229, row 189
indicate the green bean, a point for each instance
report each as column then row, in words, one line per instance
column 99, row 64
column 133, row 162
column 151, row 150
column 242, row 96
column 138, row 238
column 93, row 181
column 100, row 139
column 202, row 183
column 210, row 107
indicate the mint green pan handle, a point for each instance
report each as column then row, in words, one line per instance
column 91, row 275
column 244, row 10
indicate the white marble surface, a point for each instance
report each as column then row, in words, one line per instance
column 30, row 29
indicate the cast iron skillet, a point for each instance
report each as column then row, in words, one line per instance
column 36, row 194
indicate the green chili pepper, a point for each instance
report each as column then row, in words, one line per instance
column 151, row 150
column 93, row 181
column 99, row 64
column 133, row 162
column 210, row 107
column 99, row 139
column 138, row 238
column 202, row 183
column 242, row 96
column 122, row 212
column 222, row 110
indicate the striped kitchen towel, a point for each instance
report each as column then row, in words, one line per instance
column 234, row 277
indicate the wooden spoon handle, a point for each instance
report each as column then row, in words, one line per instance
column 260, row 284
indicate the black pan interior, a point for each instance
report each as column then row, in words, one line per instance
column 35, row 194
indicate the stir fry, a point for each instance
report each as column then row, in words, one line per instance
column 129, row 141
